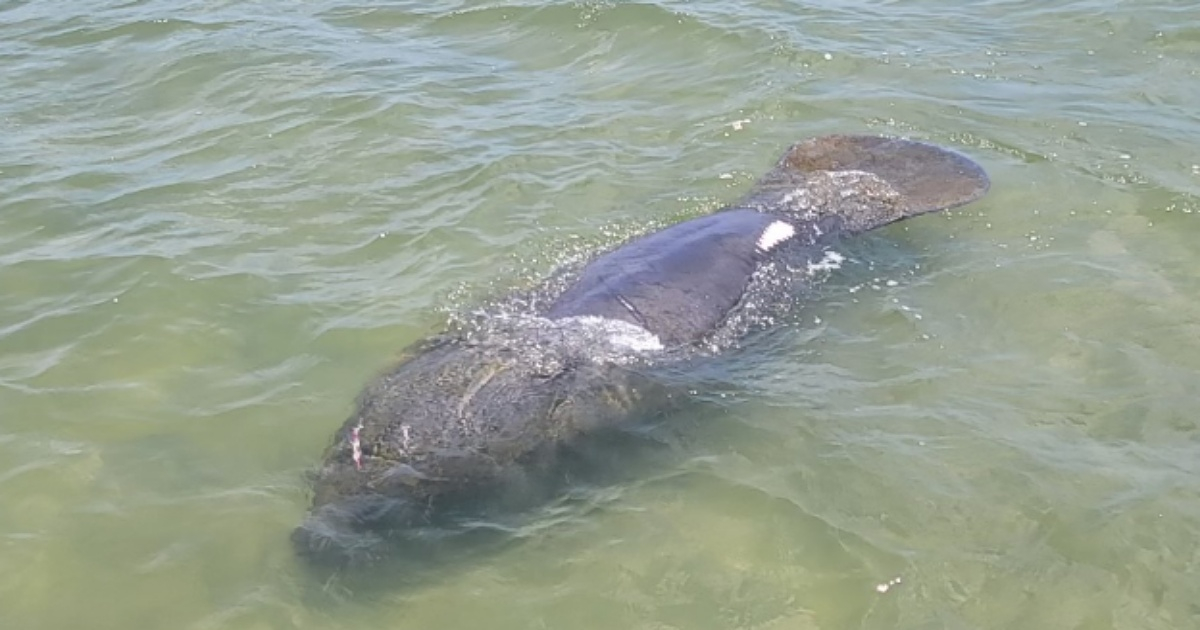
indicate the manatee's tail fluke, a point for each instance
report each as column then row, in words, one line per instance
column 856, row 183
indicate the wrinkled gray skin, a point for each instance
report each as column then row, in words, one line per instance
column 467, row 417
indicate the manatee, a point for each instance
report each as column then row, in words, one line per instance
column 468, row 415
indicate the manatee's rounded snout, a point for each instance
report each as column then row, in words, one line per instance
column 329, row 538
column 348, row 532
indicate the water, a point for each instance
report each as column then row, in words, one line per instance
column 219, row 219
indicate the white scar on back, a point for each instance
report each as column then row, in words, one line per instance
column 774, row 234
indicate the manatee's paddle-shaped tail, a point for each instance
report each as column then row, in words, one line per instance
column 857, row 183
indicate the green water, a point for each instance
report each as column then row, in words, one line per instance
column 219, row 219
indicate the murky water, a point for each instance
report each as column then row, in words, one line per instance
column 219, row 219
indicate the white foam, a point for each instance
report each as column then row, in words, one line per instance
column 829, row 262
column 621, row 333
column 774, row 234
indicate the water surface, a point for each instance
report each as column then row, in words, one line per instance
column 219, row 219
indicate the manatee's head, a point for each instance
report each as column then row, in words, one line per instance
column 350, row 531
column 453, row 422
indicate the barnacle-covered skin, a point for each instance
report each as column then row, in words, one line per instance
column 469, row 416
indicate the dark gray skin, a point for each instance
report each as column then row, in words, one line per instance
column 464, row 418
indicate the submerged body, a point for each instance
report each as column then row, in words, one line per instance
column 463, row 418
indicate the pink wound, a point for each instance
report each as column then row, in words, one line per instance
column 356, row 447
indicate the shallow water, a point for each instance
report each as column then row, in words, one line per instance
column 219, row 219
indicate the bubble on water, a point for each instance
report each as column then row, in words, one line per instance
column 884, row 587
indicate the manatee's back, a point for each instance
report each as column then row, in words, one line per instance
column 676, row 283
column 681, row 282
